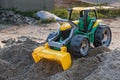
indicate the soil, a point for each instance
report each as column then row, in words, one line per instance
column 18, row 42
column 109, row 69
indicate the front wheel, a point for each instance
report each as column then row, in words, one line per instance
column 102, row 36
column 79, row 46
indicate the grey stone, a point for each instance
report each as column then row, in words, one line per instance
column 11, row 17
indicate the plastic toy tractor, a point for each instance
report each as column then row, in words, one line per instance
column 74, row 38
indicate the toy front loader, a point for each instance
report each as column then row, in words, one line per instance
column 74, row 37
column 62, row 56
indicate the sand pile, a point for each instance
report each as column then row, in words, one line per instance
column 16, row 63
column 82, row 67
column 109, row 69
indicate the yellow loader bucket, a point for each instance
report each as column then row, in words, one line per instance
column 62, row 57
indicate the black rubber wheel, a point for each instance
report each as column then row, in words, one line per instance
column 79, row 46
column 103, row 36
column 51, row 35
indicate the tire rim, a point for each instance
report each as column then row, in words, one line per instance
column 84, row 47
column 106, row 38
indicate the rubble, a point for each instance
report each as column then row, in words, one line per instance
column 7, row 16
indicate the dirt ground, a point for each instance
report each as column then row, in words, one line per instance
column 18, row 42
column 33, row 31
column 40, row 33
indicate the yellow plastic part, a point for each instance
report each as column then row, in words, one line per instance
column 97, row 22
column 91, row 8
column 95, row 25
column 76, row 22
column 65, row 26
column 83, row 8
column 62, row 57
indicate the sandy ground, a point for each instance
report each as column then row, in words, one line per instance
column 114, row 3
column 40, row 33
column 16, row 62
column 114, row 24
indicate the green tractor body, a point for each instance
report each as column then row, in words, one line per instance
column 86, row 25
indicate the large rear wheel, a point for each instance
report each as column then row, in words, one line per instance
column 79, row 46
column 102, row 36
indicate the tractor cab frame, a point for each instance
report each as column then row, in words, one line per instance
column 86, row 21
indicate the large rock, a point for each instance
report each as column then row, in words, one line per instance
column 45, row 15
